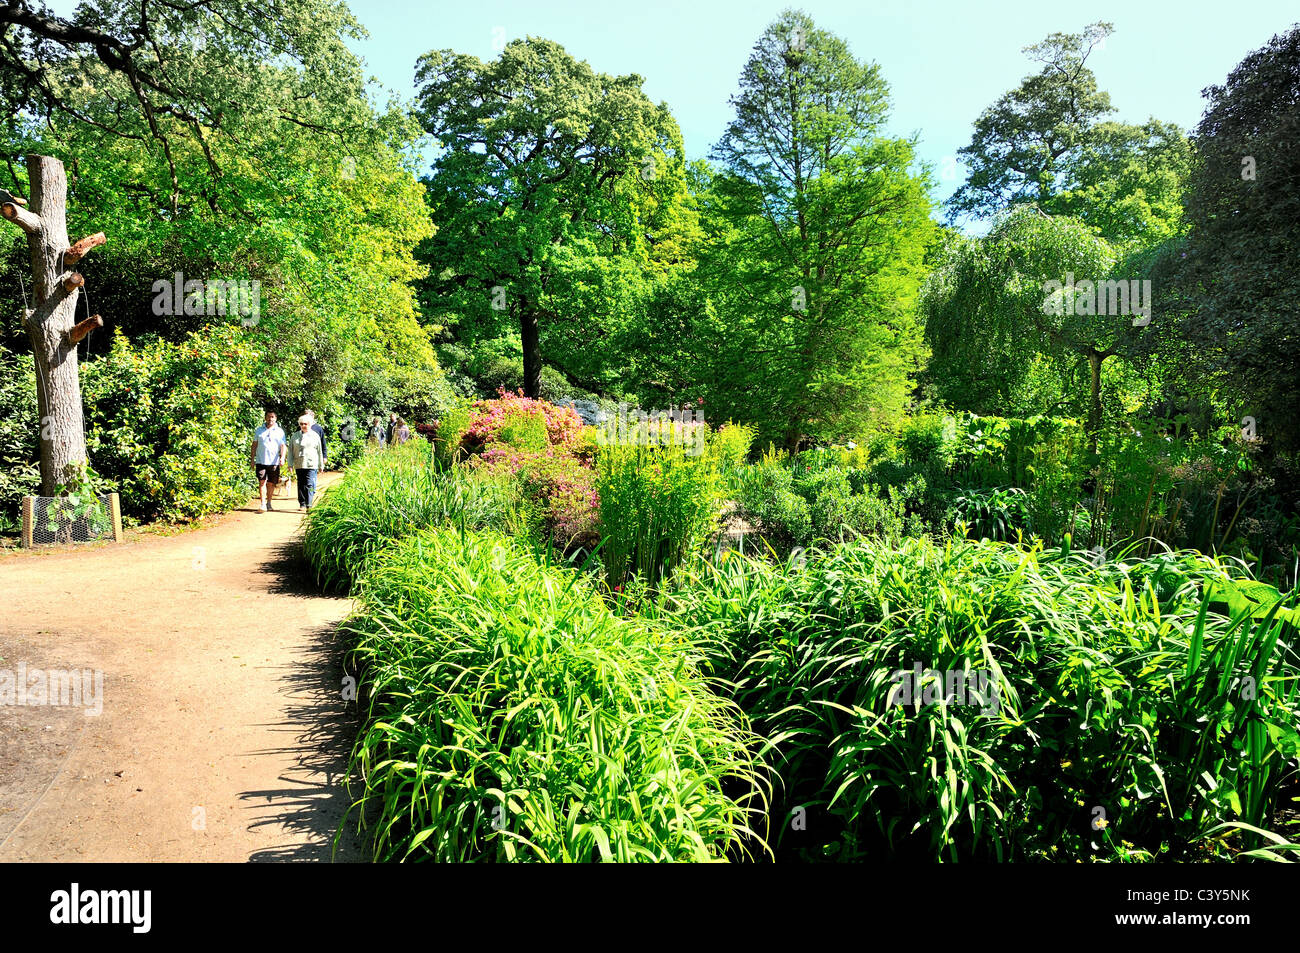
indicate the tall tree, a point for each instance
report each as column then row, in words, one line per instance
column 1023, row 143
column 1243, row 206
column 826, row 229
column 541, row 195
column 51, row 325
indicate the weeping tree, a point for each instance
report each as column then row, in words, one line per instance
column 1037, row 286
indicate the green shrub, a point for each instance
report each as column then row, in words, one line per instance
column 1116, row 689
column 729, row 447
column 389, row 495
column 656, row 505
column 558, row 491
column 766, row 494
column 451, row 428
column 1000, row 513
column 20, row 472
column 514, row 717
column 171, row 425
column 523, row 430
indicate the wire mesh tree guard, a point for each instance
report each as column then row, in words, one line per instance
column 60, row 520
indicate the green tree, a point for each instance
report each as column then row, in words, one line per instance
column 1024, row 143
column 992, row 318
column 1127, row 182
column 1243, row 207
column 548, row 182
column 820, row 231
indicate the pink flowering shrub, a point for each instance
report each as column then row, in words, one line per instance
column 522, row 422
column 557, row 485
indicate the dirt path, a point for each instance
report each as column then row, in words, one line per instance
column 223, row 732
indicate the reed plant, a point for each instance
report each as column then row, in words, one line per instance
column 657, row 505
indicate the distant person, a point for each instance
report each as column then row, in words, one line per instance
column 320, row 432
column 376, row 437
column 402, row 433
column 305, row 457
column 267, row 456
column 392, row 427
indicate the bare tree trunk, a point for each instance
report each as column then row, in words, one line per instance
column 55, row 286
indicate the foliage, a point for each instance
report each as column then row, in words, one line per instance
column 19, row 437
column 1244, row 213
column 998, row 513
column 389, row 495
column 1115, row 689
column 509, row 418
column 171, row 424
column 450, row 433
column 558, row 488
column 514, row 717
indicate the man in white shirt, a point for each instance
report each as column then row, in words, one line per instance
column 268, row 453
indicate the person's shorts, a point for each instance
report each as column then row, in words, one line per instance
column 267, row 473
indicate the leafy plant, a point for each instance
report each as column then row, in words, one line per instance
column 513, row 716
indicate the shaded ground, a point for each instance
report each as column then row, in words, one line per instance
column 223, row 733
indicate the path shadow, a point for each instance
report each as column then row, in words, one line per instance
column 290, row 571
column 320, row 729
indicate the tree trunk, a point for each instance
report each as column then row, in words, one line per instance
column 56, row 289
column 528, row 333
column 1094, row 406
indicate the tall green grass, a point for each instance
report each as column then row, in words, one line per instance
column 389, row 495
column 1132, row 720
column 657, row 504
column 514, row 717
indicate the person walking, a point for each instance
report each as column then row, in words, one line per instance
column 402, row 433
column 376, row 435
column 305, row 458
column 392, row 427
column 267, row 456
column 320, row 432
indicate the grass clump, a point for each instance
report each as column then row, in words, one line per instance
column 1131, row 722
column 514, row 717
column 388, row 495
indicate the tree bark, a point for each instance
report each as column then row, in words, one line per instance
column 58, row 391
column 1094, row 407
column 529, row 335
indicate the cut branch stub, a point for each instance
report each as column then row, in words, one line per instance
column 27, row 221
column 83, row 247
column 73, row 282
column 85, row 327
